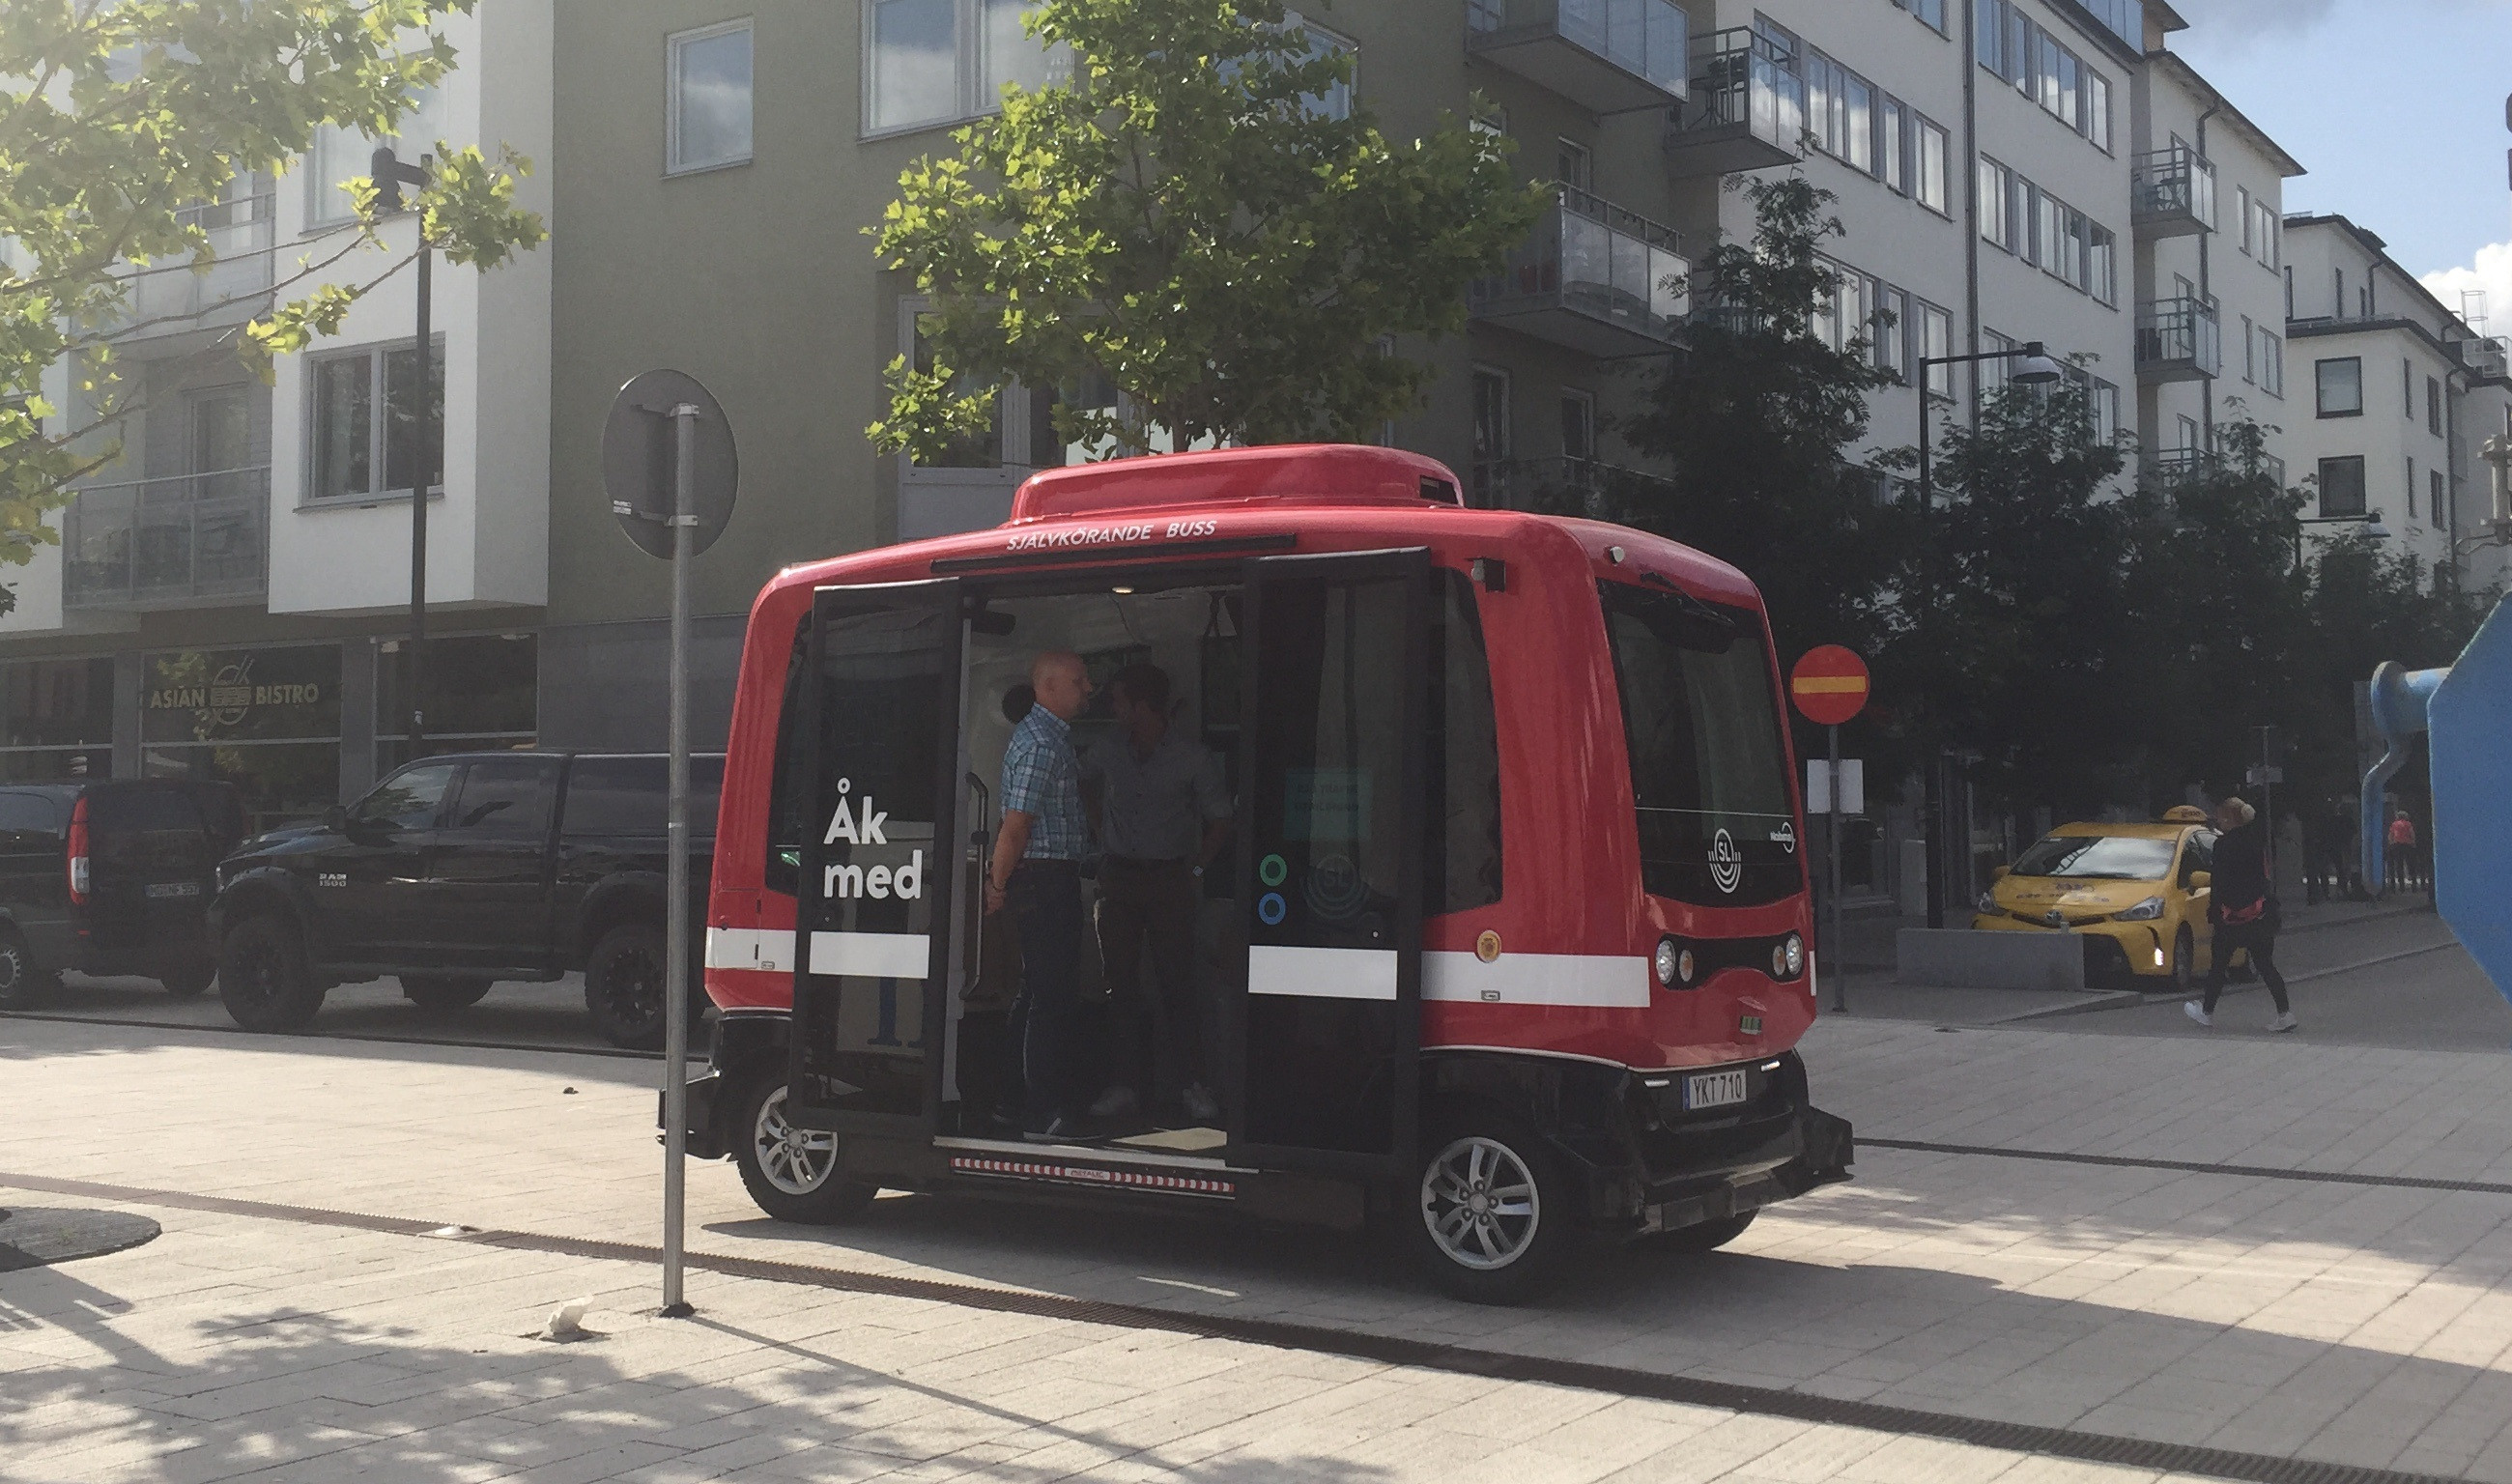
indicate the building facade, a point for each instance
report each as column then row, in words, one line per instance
column 230, row 593
column 2395, row 397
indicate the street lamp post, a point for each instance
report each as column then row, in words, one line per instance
column 390, row 176
column 2035, row 368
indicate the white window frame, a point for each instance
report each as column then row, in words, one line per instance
column 1011, row 402
column 321, row 195
column 967, row 68
column 375, row 353
column 1585, row 401
column 672, row 47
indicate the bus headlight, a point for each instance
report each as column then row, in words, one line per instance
column 1787, row 957
column 1675, row 964
column 2144, row 912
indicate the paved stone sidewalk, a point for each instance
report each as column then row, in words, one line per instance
column 2331, row 1320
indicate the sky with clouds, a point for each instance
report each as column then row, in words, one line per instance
column 2396, row 109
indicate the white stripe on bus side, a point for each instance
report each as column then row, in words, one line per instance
column 1321, row 973
column 1602, row 979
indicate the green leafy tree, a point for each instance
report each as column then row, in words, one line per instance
column 1757, row 422
column 2016, row 607
column 116, row 115
column 2216, row 619
column 1186, row 222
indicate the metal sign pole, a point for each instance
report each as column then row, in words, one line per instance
column 676, row 938
column 1831, row 949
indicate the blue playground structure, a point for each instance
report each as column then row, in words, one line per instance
column 2465, row 710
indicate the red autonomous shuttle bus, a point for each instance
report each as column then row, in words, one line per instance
column 1509, row 943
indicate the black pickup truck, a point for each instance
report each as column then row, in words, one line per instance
column 467, row 869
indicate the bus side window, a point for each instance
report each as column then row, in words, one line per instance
column 1461, row 845
column 785, row 790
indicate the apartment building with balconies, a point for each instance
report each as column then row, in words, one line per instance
column 2208, row 207
column 230, row 593
column 2394, row 395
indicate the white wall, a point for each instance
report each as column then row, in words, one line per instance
column 488, row 533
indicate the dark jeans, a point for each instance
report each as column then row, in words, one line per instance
column 1044, row 899
column 2259, row 939
column 1151, row 903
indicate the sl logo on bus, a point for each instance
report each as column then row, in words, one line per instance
column 1726, row 864
column 847, row 825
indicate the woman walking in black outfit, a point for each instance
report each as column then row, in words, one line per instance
column 2244, row 911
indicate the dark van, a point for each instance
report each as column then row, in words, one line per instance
column 113, row 876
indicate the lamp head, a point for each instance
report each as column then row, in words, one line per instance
column 2035, row 368
column 2374, row 527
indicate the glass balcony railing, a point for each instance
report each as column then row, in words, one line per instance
column 1747, row 110
column 2171, row 193
column 171, row 297
column 165, row 542
column 1568, row 485
column 1593, row 278
column 2178, row 339
column 1607, row 55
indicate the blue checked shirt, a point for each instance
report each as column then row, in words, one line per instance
column 1042, row 778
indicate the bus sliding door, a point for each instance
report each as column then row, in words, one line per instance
column 1328, row 1020
column 879, row 752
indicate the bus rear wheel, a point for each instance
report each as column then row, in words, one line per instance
column 1491, row 1212
column 793, row 1174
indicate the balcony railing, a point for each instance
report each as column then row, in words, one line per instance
column 1606, row 55
column 1567, row 484
column 2171, row 193
column 171, row 297
column 1747, row 110
column 1592, row 277
column 2178, row 339
column 2167, row 467
column 168, row 542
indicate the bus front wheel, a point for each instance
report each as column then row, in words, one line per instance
column 793, row 1173
column 1491, row 1217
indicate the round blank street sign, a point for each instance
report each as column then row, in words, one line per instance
column 638, row 461
column 1829, row 685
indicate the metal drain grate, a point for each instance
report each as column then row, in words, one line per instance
column 1358, row 1345
column 2191, row 1167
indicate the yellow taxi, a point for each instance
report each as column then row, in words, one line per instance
column 2136, row 893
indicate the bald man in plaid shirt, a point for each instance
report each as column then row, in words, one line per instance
column 1037, row 872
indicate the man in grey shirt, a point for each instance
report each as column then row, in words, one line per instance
column 1163, row 814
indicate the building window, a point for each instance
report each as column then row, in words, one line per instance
column 1994, row 375
column 1996, row 182
column 1491, row 432
column 2412, row 486
column 2271, row 256
column 1893, row 339
column 339, row 154
column 933, row 62
column 1893, row 117
column 1578, row 424
column 1573, row 165
column 2433, row 406
column 2341, row 485
column 1021, row 437
column 1937, row 341
column 1929, row 12
column 2106, row 411
column 2242, row 207
column 1929, row 167
column 2250, row 351
column 2434, row 476
column 2340, row 387
column 350, row 443
column 1840, row 112
column 2020, row 52
column 2272, row 364
column 707, row 115
column 2408, row 392
column 2101, row 266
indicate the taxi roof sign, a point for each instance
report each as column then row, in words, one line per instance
column 1830, row 684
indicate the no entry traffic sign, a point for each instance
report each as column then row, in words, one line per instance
column 1829, row 685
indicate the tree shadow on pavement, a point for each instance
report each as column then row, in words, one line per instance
column 287, row 1396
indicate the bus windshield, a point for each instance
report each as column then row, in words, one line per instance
column 1708, row 765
